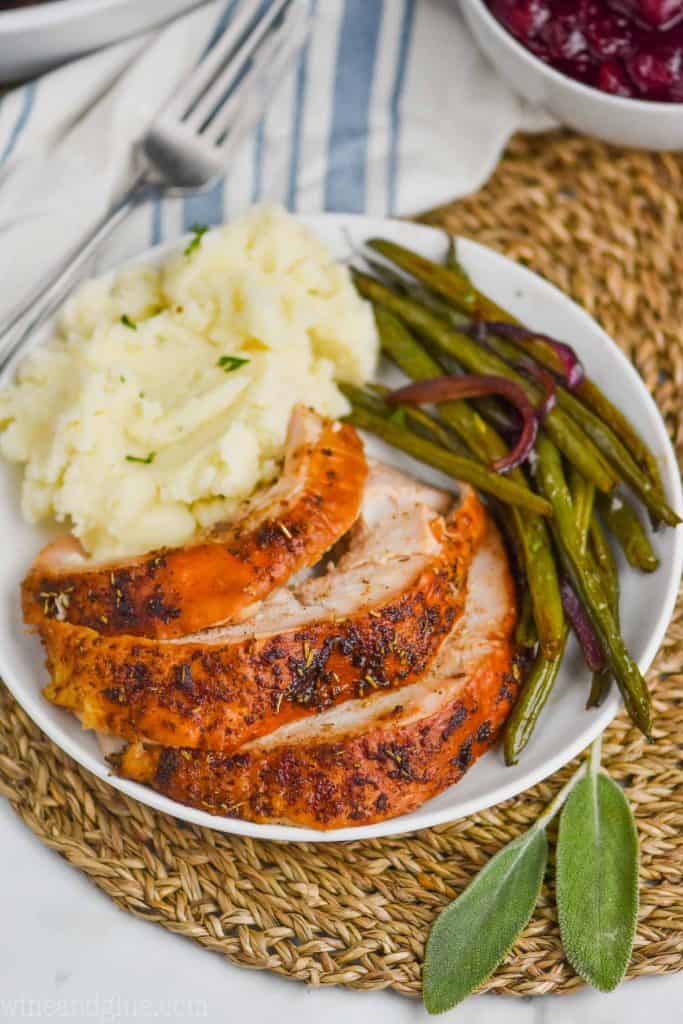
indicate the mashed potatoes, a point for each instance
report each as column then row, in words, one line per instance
column 165, row 397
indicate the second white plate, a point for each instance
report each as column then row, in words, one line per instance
column 34, row 39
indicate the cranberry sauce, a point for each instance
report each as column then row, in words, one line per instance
column 626, row 47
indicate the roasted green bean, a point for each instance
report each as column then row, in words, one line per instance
column 422, row 423
column 602, row 435
column 619, row 457
column 530, row 702
column 607, row 568
column 568, row 437
column 455, row 286
column 452, row 262
column 622, row 520
column 605, row 562
column 582, row 493
column 456, row 466
column 526, row 634
column 541, row 677
column 588, row 587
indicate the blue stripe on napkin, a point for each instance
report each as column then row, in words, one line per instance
column 347, row 152
column 27, row 99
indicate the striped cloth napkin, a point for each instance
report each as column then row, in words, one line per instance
column 389, row 110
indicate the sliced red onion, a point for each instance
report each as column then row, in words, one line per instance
column 444, row 389
column 585, row 634
column 547, row 382
column 563, row 355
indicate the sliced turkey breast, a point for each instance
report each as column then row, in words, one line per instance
column 172, row 592
column 366, row 760
column 373, row 621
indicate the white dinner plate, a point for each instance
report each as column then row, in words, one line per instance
column 35, row 38
column 566, row 727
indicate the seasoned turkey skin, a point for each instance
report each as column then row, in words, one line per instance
column 375, row 621
column 365, row 761
column 175, row 591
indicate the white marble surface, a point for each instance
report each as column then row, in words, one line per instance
column 68, row 953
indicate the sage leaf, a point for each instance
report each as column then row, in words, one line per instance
column 597, row 880
column 475, row 932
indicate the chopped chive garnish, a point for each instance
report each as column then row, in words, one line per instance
column 230, row 363
column 198, row 230
column 127, row 322
column 148, row 459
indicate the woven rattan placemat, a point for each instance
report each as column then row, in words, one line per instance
column 607, row 227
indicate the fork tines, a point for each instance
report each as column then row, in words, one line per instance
column 235, row 116
column 227, row 63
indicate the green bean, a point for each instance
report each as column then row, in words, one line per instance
column 605, row 562
column 622, row 520
column 607, row 568
column 372, row 402
column 542, row 675
column 456, row 466
column 455, row 286
column 493, row 411
column 568, row 437
column 410, row 356
column 601, row 682
column 427, row 426
column 605, row 428
column 529, row 704
column 526, row 634
column 582, row 493
column 588, row 588
column 398, row 343
column 619, row 457
column 387, row 275
column 602, row 435
column 452, row 262
column 542, row 580
column 599, row 403
column 423, row 424
column 483, row 441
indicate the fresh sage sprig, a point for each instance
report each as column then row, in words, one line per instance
column 597, row 895
column 597, row 878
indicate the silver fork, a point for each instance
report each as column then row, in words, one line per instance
column 187, row 147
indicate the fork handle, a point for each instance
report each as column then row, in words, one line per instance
column 47, row 294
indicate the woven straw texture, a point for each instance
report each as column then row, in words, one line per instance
column 607, row 227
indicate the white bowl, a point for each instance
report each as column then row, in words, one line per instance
column 35, row 38
column 616, row 119
column 566, row 728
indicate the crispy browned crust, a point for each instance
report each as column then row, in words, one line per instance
column 219, row 696
column 381, row 770
column 173, row 592
column 375, row 775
